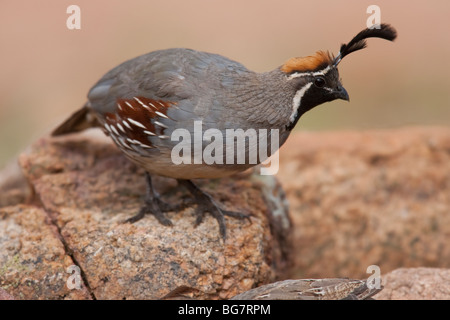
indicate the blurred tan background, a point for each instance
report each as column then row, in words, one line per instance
column 47, row 69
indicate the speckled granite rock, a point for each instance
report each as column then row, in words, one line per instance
column 86, row 188
column 356, row 199
column 33, row 260
column 416, row 284
column 4, row 295
column 368, row 198
column 13, row 185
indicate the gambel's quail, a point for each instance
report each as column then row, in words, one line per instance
column 152, row 106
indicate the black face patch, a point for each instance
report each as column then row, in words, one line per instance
column 313, row 89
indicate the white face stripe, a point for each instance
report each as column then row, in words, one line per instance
column 296, row 102
column 312, row 74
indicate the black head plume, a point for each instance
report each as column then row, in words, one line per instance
column 385, row 31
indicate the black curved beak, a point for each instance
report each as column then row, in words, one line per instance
column 341, row 93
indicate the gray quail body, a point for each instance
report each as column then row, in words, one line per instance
column 148, row 104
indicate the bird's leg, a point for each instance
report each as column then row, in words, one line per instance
column 205, row 203
column 154, row 205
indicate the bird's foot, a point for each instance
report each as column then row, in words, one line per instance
column 205, row 203
column 155, row 206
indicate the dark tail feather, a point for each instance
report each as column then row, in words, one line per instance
column 79, row 121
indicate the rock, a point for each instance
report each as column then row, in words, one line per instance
column 368, row 198
column 416, row 284
column 5, row 295
column 84, row 188
column 13, row 185
column 379, row 197
column 33, row 260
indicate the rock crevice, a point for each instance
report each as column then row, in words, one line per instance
column 88, row 188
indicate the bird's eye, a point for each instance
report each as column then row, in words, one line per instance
column 319, row 82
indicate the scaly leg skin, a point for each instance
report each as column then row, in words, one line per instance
column 205, row 203
column 155, row 206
